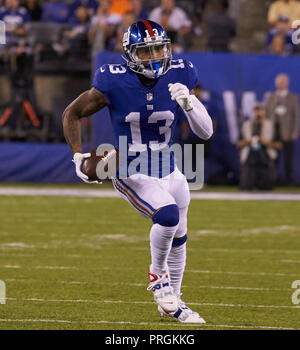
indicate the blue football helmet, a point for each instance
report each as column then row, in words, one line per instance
column 147, row 49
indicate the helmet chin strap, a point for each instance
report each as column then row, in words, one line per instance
column 151, row 71
column 156, row 68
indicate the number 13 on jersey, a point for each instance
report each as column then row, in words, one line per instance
column 134, row 118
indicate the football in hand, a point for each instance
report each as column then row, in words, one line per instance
column 108, row 168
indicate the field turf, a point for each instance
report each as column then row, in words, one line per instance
column 81, row 263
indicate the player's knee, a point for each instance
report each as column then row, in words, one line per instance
column 182, row 228
column 179, row 241
column 167, row 216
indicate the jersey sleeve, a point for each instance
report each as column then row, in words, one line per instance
column 191, row 75
column 101, row 80
column 181, row 116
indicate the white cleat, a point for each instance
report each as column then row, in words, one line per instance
column 162, row 291
column 183, row 314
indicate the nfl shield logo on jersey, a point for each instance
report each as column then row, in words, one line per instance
column 149, row 96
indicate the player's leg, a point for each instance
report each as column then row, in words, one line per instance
column 177, row 256
column 165, row 225
column 178, row 188
column 148, row 196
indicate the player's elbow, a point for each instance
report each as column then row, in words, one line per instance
column 64, row 115
column 208, row 131
column 68, row 114
column 206, row 136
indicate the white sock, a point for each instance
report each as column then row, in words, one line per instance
column 176, row 265
column 161, row 238
column 177, row 256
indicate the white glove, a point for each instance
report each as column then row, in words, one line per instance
column 181, row 94
column 196, row 114
column 78, row 158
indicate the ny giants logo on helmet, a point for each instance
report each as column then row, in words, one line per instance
column 147, row 49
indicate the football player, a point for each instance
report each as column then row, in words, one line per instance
column 144, row 96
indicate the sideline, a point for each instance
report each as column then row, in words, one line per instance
column 105, row 193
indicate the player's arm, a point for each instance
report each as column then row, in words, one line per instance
column 88, row 103
column 196, row 114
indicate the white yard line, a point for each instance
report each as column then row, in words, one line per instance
column 104, row 193
column 150, row 302
column 218, row 272
column 291, row 261
column 72, row 282
column 16, row 245
column 57, row 267
column 246, row 196
column 259, row 251
column 30, row 280
column 209, row 304
column 249, row 305
column 32, row 320
column 243, row 273
column 238, row 288
column 187, row 271
column 144, row 285
column 42, row 267
column 58, row 192
column 144, row 323
column 7, row 249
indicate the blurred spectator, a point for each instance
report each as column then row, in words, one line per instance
column 92, row 6
column 128, row 18
column 75, row 40
column 277, row 46
column 258, row 151
column 55, row 11
column 34, row 9
column 81, row 15
column 120, row 7
column 15, row 18
column 137, row 9
column 221, row 28
column 22, row 111
column 103, row 26
column 283, row 109
column 282, row 29
column 290, row 8
column 174, row 20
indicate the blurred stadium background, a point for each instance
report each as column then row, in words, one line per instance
column 247, row 55
column 53, row 48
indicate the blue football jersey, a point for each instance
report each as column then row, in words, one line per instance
column 14, row 19
column 145, row 115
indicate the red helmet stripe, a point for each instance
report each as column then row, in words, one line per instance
column 149, row 28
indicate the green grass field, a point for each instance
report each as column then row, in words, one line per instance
column 81, row 263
